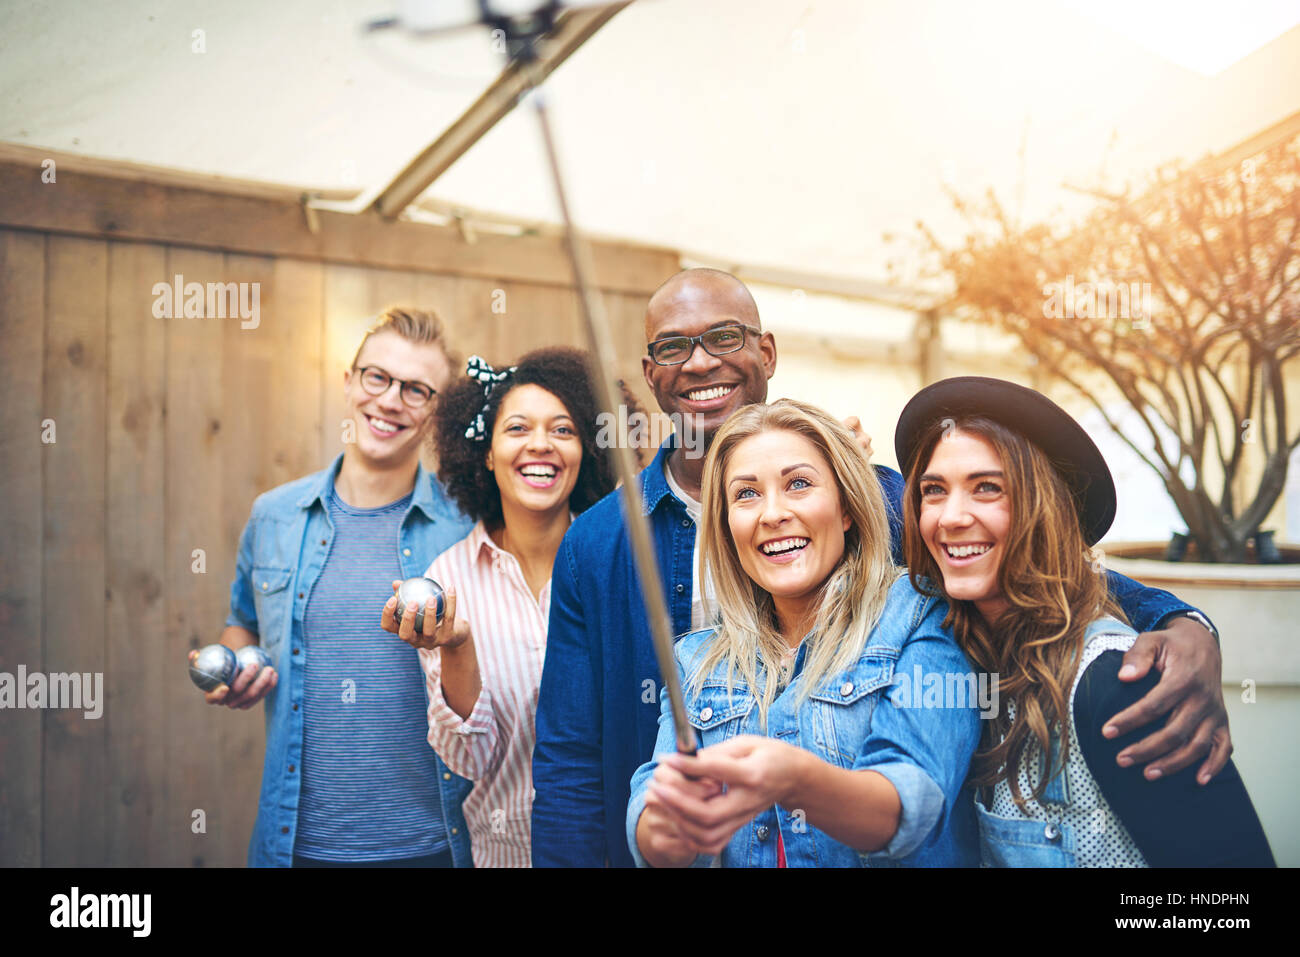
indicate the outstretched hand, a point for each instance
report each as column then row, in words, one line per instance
column 756, row 772
column 660, row 834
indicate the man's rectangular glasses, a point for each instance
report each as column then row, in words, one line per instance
column 376, row 381
column 674, row 350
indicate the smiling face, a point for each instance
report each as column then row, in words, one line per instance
column 536, row 451
column 785, row 517
column 965, row 519
column 388, row 431
column 711, row 387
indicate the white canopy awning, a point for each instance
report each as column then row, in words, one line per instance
column 792, row 135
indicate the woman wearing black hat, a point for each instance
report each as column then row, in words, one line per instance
column 1005, row 495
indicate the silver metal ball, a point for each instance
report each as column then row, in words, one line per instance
column 214, row 666
column 252, row 655
column 420, row 590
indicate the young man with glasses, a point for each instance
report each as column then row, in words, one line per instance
column 349, row 778
column 598, row 705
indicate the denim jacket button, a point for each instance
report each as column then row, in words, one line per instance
column 680, row 588
column 763, row 832
column 846, row 689
column 686, row 523
column 446, row 776
column 1052, row 833
column 406, row 552
column 706, row 714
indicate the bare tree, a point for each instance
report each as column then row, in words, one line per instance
column 1186, row 295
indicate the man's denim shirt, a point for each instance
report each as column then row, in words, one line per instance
column 852, row 720
column 281, row 553
column 598, row 708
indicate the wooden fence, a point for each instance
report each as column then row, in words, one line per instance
column 134, row 445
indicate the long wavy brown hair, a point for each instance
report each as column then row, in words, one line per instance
column 1053, row 588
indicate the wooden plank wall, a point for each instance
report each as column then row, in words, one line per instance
column 120, row 535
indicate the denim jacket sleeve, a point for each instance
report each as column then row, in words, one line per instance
column 243, row 610
column 924, row 751
column 568, row 825
column 1147, row 609
column 665, row 743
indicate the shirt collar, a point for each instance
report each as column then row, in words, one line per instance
column 422, row 498
column 480, row 542
column 654, row 486
column 319, row 489
column 323, row 483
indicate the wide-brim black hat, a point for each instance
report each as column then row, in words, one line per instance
column 1071, row 451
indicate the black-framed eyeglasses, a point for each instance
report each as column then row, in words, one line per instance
column 376, row 381
column 674, row 350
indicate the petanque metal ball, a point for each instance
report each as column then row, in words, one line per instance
column 252, row 655
column 215, row 665
column 419, row 590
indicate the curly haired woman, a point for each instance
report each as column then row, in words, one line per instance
column 517, row 452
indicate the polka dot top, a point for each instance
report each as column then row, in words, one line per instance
column 1101, row 839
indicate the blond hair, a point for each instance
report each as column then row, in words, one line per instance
column 420, row 326
column 852, row 598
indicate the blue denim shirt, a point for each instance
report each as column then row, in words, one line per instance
column 598, row 707
column 281, row 553
column 852, row 721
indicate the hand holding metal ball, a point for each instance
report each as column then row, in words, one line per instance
column 420, row 590
column 252, row 655
column 214, row 666
column 216, row 670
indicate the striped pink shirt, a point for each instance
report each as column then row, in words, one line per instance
column 494, row 746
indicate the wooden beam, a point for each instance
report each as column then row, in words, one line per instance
column 572, row 30
column 87, row 199
column 164, row 175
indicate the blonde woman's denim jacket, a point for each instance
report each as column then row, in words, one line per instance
column 864, row 718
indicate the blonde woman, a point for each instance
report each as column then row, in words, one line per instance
column 790, row 695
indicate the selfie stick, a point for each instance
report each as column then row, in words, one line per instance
column 602, row 347
column 638, row 523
